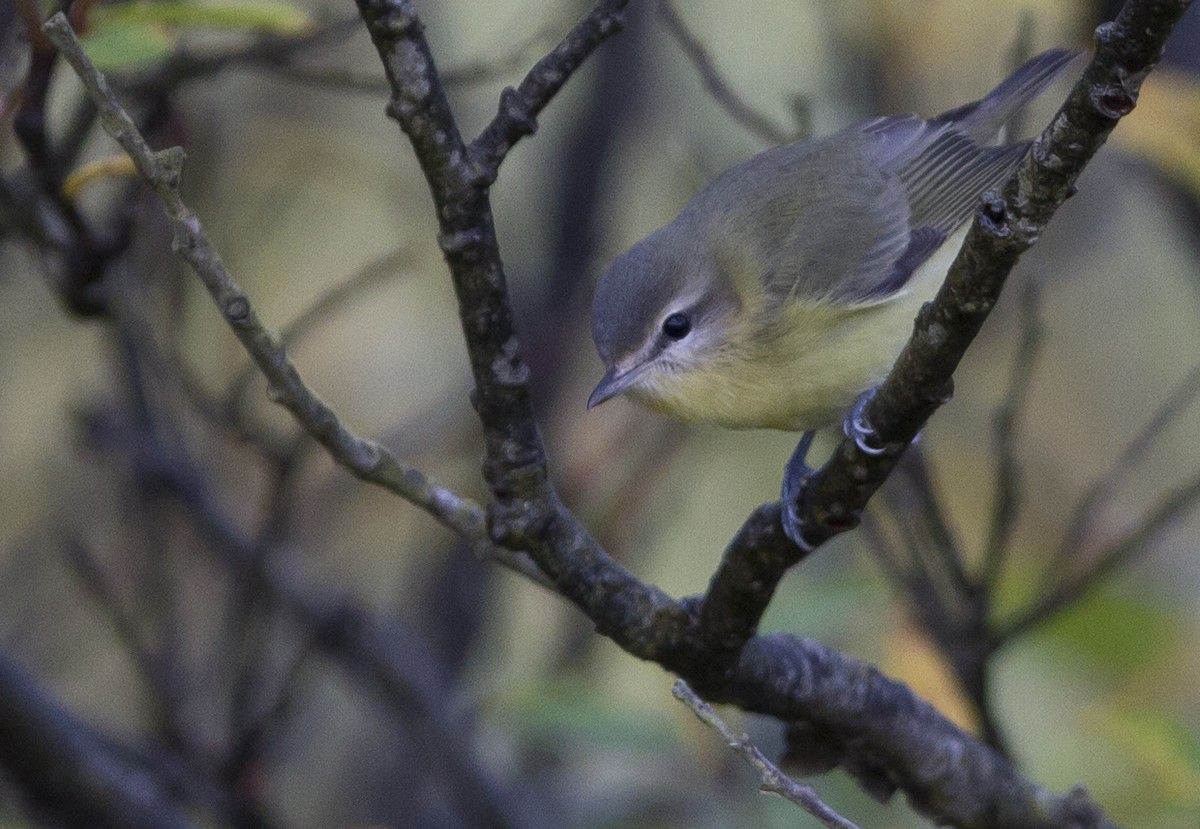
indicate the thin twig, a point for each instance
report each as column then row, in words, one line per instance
column 322, row 308
column 1135, row 542
column 1005, row 427
column 773, row 780
column 741, row 112
column 365, row 458
column 520, row 107
column 1086, row 513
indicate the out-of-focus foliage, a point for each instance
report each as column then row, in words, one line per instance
column 129, row 36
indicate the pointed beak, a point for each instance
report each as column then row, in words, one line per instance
column 610, row 385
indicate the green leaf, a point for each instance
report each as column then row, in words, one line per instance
column 1167, row 753
column 127, row 45
column 257, row 15
column 1116, row 633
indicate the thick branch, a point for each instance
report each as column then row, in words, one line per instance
column 1008, row 224
column 527, row 514
column 367, row 459
column 882, row 731
column 888, row 737
column 70, row 771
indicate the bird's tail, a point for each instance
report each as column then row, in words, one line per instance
column 983, row 119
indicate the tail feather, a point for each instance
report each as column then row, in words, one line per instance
column 983, row 119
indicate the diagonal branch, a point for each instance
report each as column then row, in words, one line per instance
column 1007, row 224
column 881, row 730
column 520, row 107
column 365, row 458
column 754, row 121
column 52, row 753
column 774, row 781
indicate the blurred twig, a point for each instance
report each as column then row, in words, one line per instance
column 366, row 459
column 734, row 105
column 1099, row 493
column 1068, row 583
column 1005, row 426
column 54, row 754
column 773, row 780
column 325, row 306
column 279, row 57
column 472, row 73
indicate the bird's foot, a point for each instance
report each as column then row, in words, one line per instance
column 795, row 474
column 857, row 428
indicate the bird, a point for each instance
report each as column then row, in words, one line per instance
column 783, row 292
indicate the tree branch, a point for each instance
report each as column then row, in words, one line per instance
column 881, row 731
column 366, row 459
column 773, row 780
column 70, row 771
column 520, row 107
column 755, row 122
column 1007, row 224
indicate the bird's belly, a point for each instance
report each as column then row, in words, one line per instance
column 816, row 364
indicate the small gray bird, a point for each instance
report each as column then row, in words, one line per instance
column 788, row 286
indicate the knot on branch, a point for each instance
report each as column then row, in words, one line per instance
column 393, row 17
column 516, row 111
column 1113, row 102
column 236, row 310
column 458, row 242
column 508, row 369
column 994, row 215
column 168, row 167
column 402, row 109
column 518, row 524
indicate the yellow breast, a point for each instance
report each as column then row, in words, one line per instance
column 804, row 368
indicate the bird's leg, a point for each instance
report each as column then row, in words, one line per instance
column 795, row 474
column 859, row 430
column 797, row 470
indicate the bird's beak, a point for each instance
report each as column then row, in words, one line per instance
column 611, row 384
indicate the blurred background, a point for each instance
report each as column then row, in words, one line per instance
column 202, row 589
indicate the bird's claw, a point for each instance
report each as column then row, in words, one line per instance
column 795, row 474
column 859, row 430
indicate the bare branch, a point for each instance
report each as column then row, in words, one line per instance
column 774, row 781
column 832, row 499
column 1006, row 499
column 51, row 753
column 366, row 459
column 520, row 107
column 755, row 122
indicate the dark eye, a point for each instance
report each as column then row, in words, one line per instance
column 676, row 326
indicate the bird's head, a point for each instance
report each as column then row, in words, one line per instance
column 661, row 320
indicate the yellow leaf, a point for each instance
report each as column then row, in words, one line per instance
column 912, row 659
column 117, row 165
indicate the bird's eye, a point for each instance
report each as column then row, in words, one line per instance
column 676, row 326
